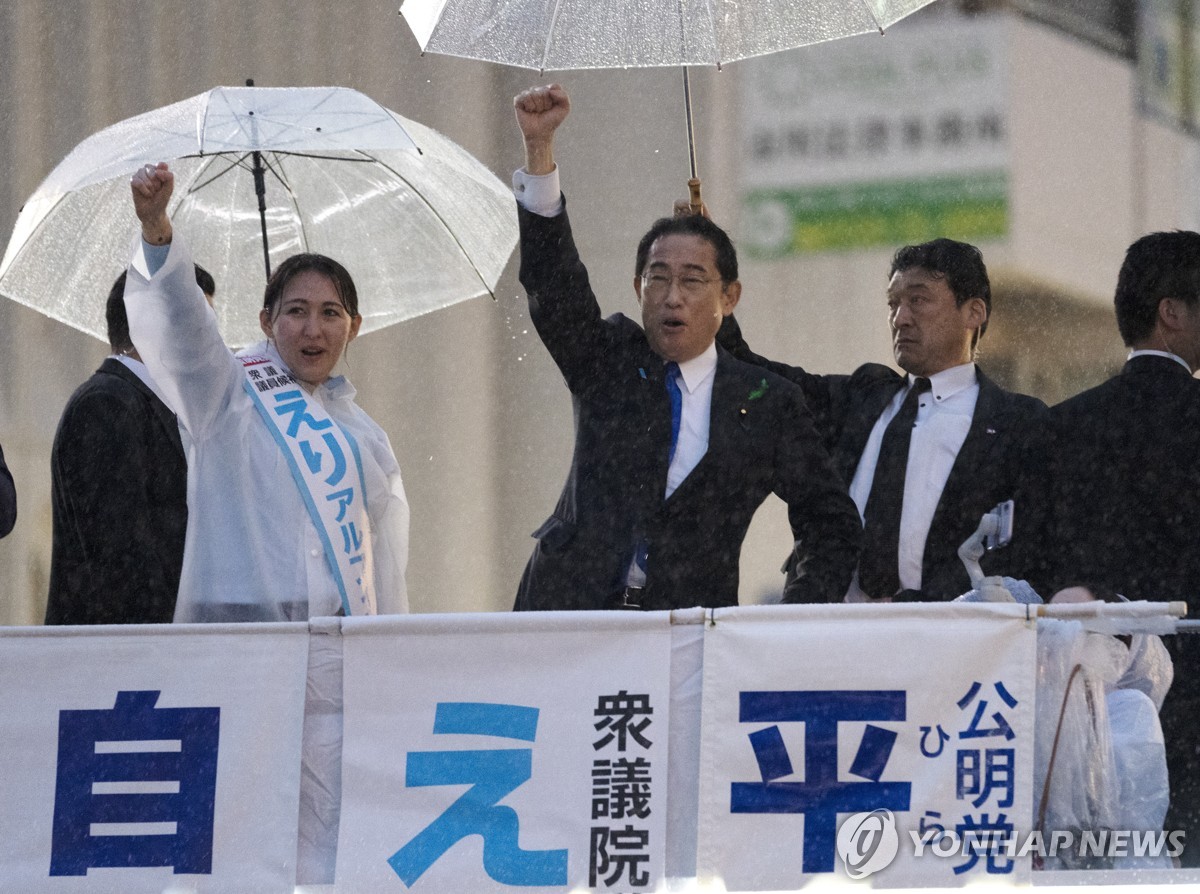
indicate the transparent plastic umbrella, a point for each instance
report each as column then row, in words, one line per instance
column 555, row 35
column 419, row 222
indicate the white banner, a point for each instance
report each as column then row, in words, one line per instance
column 487, row 752
column 832, row 735
column 150, row 759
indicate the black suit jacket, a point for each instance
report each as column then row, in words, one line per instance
column 119, row 495
column 1126, row 484
column 761, row 440
column 998, row 461
column 8, row 499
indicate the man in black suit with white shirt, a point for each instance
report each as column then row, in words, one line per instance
column 676, row 442
column 118, row 491
column 927, row 453
column 1125, row 474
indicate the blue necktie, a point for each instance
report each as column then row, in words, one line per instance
column 676, row 398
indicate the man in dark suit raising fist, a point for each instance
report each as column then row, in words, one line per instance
column 676, row 442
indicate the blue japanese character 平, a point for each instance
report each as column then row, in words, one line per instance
column 821, row 796
column 492, row 774
column 136, row 786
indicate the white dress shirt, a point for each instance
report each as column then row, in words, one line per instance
column 1145, row 352
column 943, row 420
column 696, row 383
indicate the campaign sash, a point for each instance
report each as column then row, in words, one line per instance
column 319, row 453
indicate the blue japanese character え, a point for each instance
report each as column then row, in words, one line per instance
column 491, row 774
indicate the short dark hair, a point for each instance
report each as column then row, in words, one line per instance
column 691, row 225
column 959, row 263
column 343, row 283
column 1157, row 266
column 118, row 321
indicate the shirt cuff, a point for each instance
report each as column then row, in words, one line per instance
column 152, row 258
column 538, row 193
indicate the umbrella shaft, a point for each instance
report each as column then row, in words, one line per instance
column 260, row 190
column 687, row 108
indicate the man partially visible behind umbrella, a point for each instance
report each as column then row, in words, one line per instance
column 8, row 499
column 118, row 490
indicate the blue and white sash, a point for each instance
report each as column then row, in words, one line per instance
column 319, row 452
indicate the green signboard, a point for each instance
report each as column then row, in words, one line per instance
column 782, row 221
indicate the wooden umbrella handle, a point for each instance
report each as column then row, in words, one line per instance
column 694, row 189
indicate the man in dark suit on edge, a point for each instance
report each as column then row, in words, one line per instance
column 8, row 499
column 1125, row 472
column 676, row 442
column 118, row 491
column 927, row 454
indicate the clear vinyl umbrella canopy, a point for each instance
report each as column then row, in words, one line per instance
column 418, row 221
column 574, row 34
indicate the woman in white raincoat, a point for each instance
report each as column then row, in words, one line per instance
column 295, row 502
